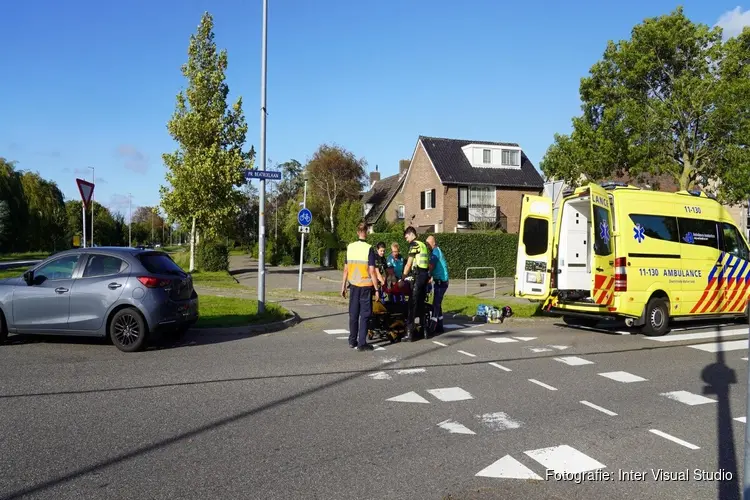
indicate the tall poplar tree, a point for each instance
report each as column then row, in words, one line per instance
column 205, row 170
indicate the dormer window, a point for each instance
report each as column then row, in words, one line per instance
column 487, row 156
column 511, row 158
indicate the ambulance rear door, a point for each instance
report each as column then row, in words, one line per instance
column 534, row 258
column 602, row 247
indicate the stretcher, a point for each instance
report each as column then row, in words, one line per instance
column 389, row 314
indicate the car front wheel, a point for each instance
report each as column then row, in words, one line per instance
column 128, row 330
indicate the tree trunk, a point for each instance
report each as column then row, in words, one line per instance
column 333, row 224
column 193, row 236
column 687, row 170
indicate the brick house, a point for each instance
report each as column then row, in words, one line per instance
column 384, row 199
column 457, row 185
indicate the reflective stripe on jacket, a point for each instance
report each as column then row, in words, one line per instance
column 357, row 257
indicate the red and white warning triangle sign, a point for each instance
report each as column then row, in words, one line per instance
column 86, row 189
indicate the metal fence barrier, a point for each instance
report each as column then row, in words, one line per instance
column 494, row 280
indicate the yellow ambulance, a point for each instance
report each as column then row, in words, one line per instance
column 618, row 252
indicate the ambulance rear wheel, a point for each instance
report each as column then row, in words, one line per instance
column 657, row 318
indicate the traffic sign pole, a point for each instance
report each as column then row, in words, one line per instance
column 87, row 191
column 83, row 241
column 302, row 247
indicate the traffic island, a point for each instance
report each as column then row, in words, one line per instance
column 225, row 315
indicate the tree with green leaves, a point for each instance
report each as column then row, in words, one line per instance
column 208, row 166
column 672, row 100
column 336, row 176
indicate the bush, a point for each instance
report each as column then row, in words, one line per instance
column 212, row 257
column 463, row 250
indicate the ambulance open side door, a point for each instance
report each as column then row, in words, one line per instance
column 534, row 259
column 602, row 247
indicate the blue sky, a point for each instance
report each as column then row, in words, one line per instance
column 92, row 83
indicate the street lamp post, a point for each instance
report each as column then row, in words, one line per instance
column 262, row 208
column 93, row 181
column 130, row 220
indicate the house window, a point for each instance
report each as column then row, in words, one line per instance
column 428, row 199
column 487, row 156
column 400, row 212
column 511, row 158
column 477, row 204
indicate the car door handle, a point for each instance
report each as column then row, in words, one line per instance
column 61, row 290
column 114, row 286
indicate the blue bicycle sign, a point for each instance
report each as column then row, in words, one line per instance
column 304, row 217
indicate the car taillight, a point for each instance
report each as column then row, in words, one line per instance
column 151, row 282
column 621, row 275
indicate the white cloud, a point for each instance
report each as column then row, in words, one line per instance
column 134, row 159
column 733, row 21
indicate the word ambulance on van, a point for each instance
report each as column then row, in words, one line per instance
column 618, row 252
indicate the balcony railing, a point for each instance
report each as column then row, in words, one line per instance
column 483, row 217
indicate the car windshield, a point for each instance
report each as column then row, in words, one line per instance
column 159, row 263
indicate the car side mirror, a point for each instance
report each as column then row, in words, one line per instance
column 28, row 277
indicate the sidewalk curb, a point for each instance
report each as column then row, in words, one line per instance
column 233, row 331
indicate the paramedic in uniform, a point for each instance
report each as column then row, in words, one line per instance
column 359, row 273
column 417, row 267
column 439, row 272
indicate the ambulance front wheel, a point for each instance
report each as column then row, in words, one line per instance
column 657, row 318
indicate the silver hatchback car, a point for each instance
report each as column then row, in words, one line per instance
column 128, row 294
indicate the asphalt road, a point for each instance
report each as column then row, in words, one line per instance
column 490, row 411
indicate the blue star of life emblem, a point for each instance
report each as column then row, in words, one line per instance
column 639, row 233
column 604, row 232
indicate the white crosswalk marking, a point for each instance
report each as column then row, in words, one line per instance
column 688, row 398
column 336, row 332
column 409, row 397
column 542, row 384
column 498, row 421
column 564, row 459
column 734, row 345
column 502, row 340
column 574, row 361
column 498, row 365
column 599, row 408
column 450, row 394
column 700, row 335
column 624, row 377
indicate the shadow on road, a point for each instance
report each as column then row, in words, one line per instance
column 718, row 378
column 158, row 445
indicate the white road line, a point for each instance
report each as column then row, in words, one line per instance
column 439, row 343
column 574, row 361
column 471, row 331
column 498, row 365
column 534, row 381
column 699, row 335
column 734, row 345
column 599, row 408
column 622, row 332
column 410, row 371
column 380, row 376
column 450, row 394
column 499, row 421
column 564, row 459
column 539, row 349
column 336, row 332
column 502, row 340
column 559, row 347
column 379, row 348
column 623, row 377
column 525, row 339
column 674, row 439
column 508, row 468
column 744, row 359
column 342, row 338
column 741, row 419
column 495, row 331
column 454, row 427
column 687, row 398
column 468, row 354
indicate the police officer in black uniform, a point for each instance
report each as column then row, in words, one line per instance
column 417, row 268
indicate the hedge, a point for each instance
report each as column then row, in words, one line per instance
column 212, row 257
column 462, row 250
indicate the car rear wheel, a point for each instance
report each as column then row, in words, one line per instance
column 3, row 329
column 657, row 318
column 128, row 330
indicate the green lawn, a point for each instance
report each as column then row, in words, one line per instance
column 216, row 311
column 12, row 273
column 10, row 257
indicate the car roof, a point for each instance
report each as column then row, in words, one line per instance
column 115, row 251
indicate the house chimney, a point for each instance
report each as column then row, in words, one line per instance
column 403, row 166
column 374, row 176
